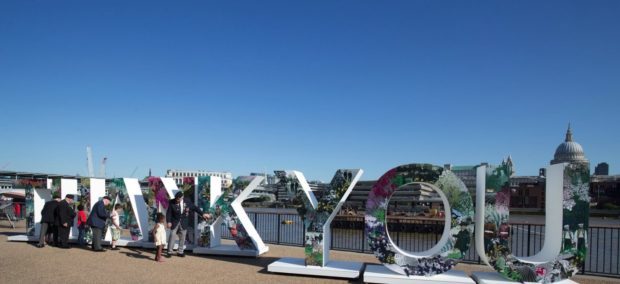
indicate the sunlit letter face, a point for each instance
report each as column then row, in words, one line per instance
column 34, row 203
column 317, row 215
column 455, row 241
column 226, row 206
column 127, row 193
column 567, row 212
column 156, row 196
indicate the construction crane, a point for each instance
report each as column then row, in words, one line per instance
column 89, row 161
column 134, row 172
column 102, row 167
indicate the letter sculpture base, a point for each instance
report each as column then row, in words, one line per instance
column 122, row 243
column 22, row 238
column 382, row 274
column 339, row 269
column 73, row 240
column 229, row 250
column 496, row 278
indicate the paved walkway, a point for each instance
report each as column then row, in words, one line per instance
column 24, row 263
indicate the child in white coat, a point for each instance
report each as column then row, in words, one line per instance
column 159, row 235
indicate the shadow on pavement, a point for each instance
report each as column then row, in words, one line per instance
column 135, row 253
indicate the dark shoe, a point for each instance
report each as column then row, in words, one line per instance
column 99, row 250
column 40, row 246
column 65, row 247
column 167, row 255
column 181, row 255
column 116, row 248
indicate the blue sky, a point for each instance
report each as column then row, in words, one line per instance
column 309, row 85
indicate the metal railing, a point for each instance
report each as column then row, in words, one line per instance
column 410, row 234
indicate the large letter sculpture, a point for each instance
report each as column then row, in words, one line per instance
column 91, row 191
column 453, row 244
column 207, row 234
column 317, row 216
column 127, row 193
column 156, row 196
column 70, row 186
column 35, row 198
column 38, row 191
column 566, row 229
column 227, row 207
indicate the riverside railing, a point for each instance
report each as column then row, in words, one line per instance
column 412, row 234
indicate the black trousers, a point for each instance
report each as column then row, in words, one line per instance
column 63, row 236
column 53, row 229
column 96, row 237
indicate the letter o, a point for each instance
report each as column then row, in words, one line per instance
column 446, row 253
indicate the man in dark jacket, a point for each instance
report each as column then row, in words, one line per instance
column 64, row 218
column 96, row 221
column 177, row 217
column 48, row 219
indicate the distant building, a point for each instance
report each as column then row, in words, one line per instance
column 178, row 176
column 269, row 179
column 527, row 191
column 359, row 195
column 282, row 194
column 6, row 184
column 602, row 169
column 542, row 172
column 569, row 151
column 410, row 198
column 467, row 174
column 605, row 191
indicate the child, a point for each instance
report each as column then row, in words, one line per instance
column 116, row 227
column 159, row 235
column 81, row 221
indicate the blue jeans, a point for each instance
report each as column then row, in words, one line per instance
column 81, row 235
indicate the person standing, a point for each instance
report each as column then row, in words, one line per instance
column 568, row 239
column 159, row 236
column 18, row 211
column 462, row 239
column 116, row 225
column 504, row 234
column 64, row 218
column 81, row 225
column 177, row 217
column 96, row 221
column 582, row 238
column 48, row 218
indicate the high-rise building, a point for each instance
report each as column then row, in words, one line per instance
column 602, row 169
